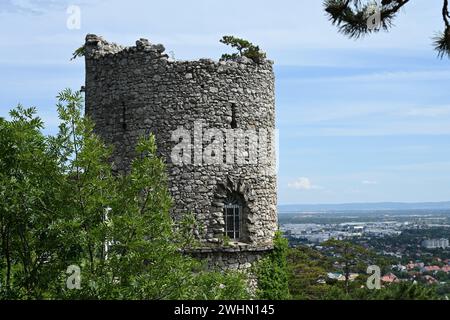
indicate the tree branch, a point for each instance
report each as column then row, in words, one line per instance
column 445, row 13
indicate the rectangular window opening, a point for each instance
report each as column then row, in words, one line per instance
column 232, row 221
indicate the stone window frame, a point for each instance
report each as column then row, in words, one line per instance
column 239, row 189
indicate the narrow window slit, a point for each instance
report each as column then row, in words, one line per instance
column 124, row 120
column 233, row 117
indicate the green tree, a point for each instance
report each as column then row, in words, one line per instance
column 350, row 257
column 353, row 18
column 307, row 273
column 30, row 200
column 406, row 291
column 61, row 205
column 244, row 48
column 272, row 272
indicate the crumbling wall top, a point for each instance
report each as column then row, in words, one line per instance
column 96, row 47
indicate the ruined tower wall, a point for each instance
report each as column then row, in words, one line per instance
column 137, row 90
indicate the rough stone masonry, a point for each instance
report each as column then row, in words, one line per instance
column 133, row 91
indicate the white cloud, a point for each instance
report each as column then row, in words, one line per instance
column 303, row 183
column 369, row 182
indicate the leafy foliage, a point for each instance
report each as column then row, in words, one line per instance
column 244, row 48
column 219, row 286
column 80, row 52
column 350, row 257
column 307, row 267
column 61, row 205
column 272, row 272
column 406, row 291
column 29, row 178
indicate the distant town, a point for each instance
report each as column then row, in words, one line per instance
column 414, row 241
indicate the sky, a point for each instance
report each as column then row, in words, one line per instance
column 359, row 120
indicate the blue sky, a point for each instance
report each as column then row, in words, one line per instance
column 359, row 121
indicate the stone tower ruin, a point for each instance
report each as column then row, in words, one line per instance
column 193, row 108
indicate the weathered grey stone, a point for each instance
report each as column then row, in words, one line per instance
column 136, row 90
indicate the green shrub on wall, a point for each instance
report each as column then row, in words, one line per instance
column 272, row 273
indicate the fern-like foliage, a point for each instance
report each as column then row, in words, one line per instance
column 80, row 52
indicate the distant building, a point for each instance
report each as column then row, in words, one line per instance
column 334, row 276
column 435, row 243
column 380, row 232
column 399, row 267
column 390, row 278
column 445, row 269
column 341, row 277
column 412, row 265
column 430, row 280
column 431, row 268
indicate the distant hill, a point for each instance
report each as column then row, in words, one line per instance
column 364, row 206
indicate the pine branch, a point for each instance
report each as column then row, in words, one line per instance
column 442, row 41
column 352, row 16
